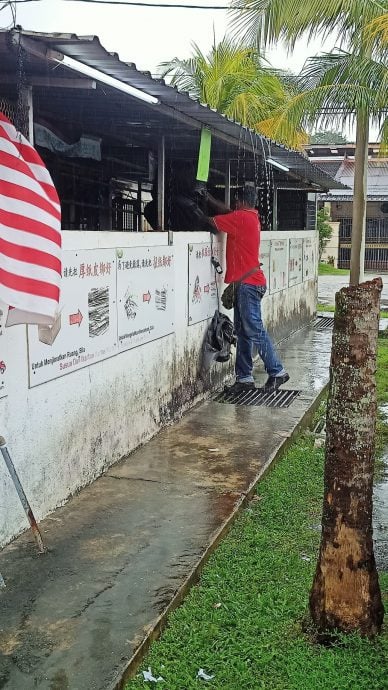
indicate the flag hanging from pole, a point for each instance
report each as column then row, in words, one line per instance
column 30, row 232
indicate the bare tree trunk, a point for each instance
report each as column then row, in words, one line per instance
column 346, row 594
column 357, row 254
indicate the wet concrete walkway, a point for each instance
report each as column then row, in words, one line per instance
column 329, row 285
column 126, row 547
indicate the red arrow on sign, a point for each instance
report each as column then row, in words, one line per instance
column 147, row 297
column 206, row 288
column 75, row 318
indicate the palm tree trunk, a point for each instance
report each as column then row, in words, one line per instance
column 345, row 594
column 359, row 199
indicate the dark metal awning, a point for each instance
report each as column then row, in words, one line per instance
column 146, row 120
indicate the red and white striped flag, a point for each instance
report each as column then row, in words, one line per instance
column 30, row 231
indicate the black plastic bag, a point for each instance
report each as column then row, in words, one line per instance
column 219, row 338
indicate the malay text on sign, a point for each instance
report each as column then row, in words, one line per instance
column 85, row 330
column 3, row 351
column 265, row 254
column 203, row 281
column 279, row 265
column 310, row 258
column 295, row 261
column 145, row 294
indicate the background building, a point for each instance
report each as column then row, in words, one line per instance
column 338, row 160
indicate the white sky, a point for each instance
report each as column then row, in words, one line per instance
column 146, row 36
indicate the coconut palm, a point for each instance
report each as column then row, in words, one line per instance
column 350, row 83
column 236, row 80
column 376, row 33
column 352, row 23
column 337, row 88
column 268, row 21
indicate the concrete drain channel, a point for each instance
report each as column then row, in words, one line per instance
column 258, row 397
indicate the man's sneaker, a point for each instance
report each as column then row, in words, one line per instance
column 240, row 387
column 274, row 382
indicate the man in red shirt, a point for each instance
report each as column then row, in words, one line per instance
column 242, row 228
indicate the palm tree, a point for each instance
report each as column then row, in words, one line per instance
column 377, row 34
column 352, row 23
column 341, row 87
column 267, row 21
column 236, row 80
column 350, row 83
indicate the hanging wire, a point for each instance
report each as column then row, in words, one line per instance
column 244, row 160
column 10, row 5
column 21, row 114
column 238, row 159
column 271, row 181
column 217, row 270
column 171, row 187
column 255, row 163
column 133, row 3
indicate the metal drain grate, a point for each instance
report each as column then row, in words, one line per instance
column 258, row 397
column 324, row 323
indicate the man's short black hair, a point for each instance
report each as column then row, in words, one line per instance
column 247, row 195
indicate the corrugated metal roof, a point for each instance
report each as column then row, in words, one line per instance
column 377, row 185
column 329, row 167
column 89, row 51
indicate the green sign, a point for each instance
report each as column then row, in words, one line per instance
column 204, row 155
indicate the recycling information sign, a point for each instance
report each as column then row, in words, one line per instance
column 145, row 294
column 204, row 282
column 85, row 330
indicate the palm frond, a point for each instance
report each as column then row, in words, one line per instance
column 355, row 81
column 237, row 80
column 378, row 29
column 375, row 37
column 384, row 137
column 268, row 21
column 334, row 89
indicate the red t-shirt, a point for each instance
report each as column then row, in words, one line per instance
column 242, row 245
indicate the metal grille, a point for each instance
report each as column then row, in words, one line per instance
column 124, row 217
column 311, row 215
column 376, row 258
column 376, row 230
column 291, row 209
column 258, row 397
column 344, row 257
column 10, row 109
column 323, row 323
column 376, row 250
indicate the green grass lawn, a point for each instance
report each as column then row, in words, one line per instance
column 329, row 270
column 243, row 622
column 330, row 308
column 325, row 307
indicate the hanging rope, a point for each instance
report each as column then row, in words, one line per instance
column 217, row 270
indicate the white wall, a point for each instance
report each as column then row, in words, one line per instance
column 66, row 432
column 332, row 247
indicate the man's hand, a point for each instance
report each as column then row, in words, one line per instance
column 208, row 225
column 212, row 226
column 218, row 206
